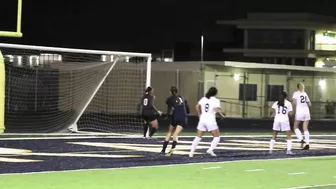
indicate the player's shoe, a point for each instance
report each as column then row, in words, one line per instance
column 162, row 153
column 302, row 143
column 306, row 147
column 290, row 153
column 210, row 152
column 191, row 155
column 170, row 153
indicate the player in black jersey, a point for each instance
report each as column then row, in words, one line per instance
column 179, row 109
column 149, row 113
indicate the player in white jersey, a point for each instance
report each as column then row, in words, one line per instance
column 207, row 108
column 280, row 111
column 302, row 114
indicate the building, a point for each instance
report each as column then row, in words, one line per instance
column 288, row 38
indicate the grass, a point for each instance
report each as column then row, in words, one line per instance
column 272, row 174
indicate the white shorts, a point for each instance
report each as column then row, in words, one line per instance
column 281, row 126
column 302, row 116
column 207, row 126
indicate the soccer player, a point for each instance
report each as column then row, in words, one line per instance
column 207, row 108
column 280, row 111
column 149, row 113
column 302, row 114
column 180, row 110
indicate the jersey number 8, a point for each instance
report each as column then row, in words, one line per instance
column 206, row 107
column 145, row 102
column 283, row 111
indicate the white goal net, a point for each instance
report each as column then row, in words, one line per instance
column 53, row 89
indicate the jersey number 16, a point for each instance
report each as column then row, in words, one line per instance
column 283, row 111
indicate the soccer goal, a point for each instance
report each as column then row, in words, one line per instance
column 53, row 89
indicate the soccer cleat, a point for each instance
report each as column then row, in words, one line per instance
column 191, row 155
column 306, row 147
column 302, row 143
column 210, row 152
column 290, row 153
column 170, row 153
column 162, row 153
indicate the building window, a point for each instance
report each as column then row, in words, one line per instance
column 248, row 92
column 273, row 92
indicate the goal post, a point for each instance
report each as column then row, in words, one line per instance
column 51, row 89
column 2, row 93
column 18, row 32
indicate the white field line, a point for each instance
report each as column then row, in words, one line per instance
column 172, row 165
column 71, row 136
column 312, row 186
column 297, row 173
column 217, row 167
column 254, row 170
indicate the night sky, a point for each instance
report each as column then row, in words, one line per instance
column 146, row 26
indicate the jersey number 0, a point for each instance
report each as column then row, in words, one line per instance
column 145, row 102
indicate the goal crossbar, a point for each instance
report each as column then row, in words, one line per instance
column 72, row 50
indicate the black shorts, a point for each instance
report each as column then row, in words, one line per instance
column 183, row 122
column 149, row 118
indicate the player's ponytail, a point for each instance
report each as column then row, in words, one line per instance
column 148, row 90
column 173, row 90
column 282, row 98
column 211, row 92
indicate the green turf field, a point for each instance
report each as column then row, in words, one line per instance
column 266, row 174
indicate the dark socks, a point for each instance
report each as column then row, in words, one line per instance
column 174, row 144
column 152, row 131
column 164, row 147
column 145, row 128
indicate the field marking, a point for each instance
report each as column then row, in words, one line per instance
column 217, row 167
column 170, row 165
column 312, row 186
column 71, row 136
column 297, row 173
column 254, row 170
column 16, row 160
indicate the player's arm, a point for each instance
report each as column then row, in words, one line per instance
column 290, row 109
column 294, row 98
column 308, row 101
column 169, row 106
column 272, row 110
column 218, row 109
column 187, row 106
column 198, row 109
column 219, row 112
column 156, row 111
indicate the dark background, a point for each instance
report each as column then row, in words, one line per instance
column 145, row 26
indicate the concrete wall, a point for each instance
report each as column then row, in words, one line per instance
column 229, row 88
